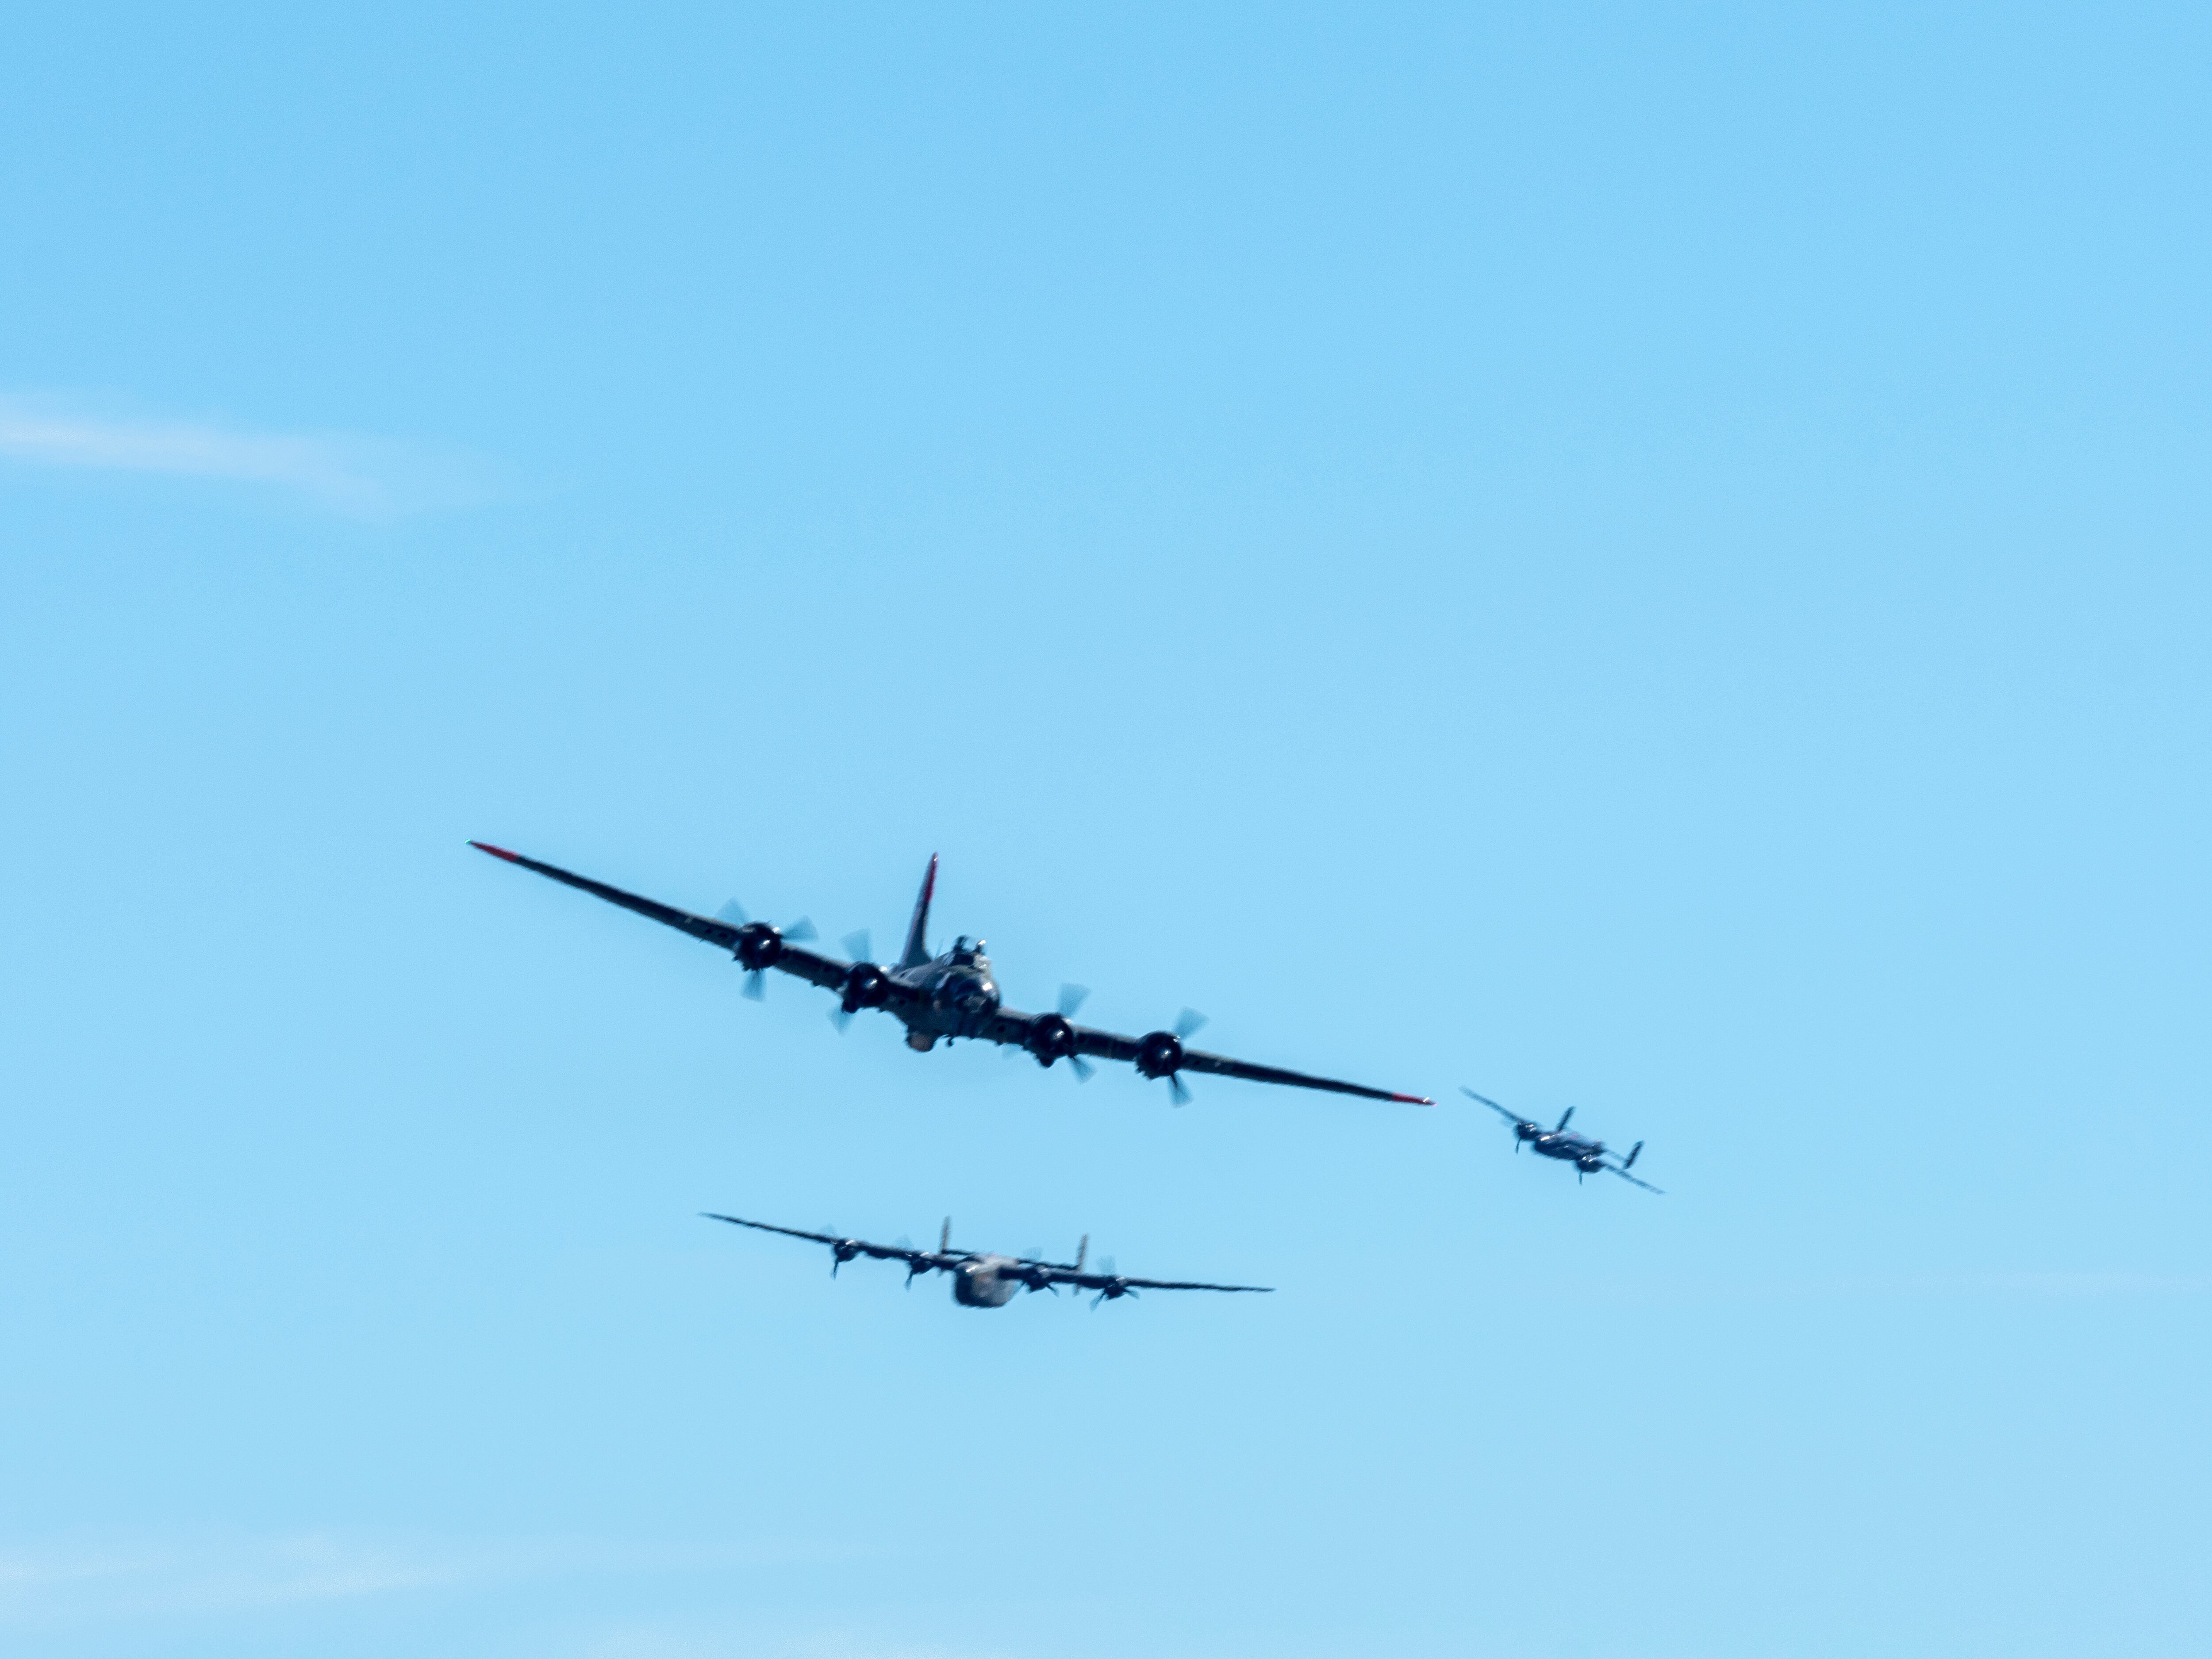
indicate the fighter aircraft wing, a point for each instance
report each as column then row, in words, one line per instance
column 824, row 970
column 879, row 1252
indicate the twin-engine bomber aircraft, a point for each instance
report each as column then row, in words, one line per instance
column 1589, row 1156
column 984, row 1280
column 950, row 996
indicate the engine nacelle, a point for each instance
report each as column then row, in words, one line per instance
column 1160, row 1054
column 866, row 986
column 1051, row 1038
column 759, row 945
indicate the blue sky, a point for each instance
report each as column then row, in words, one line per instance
column 1647, row 558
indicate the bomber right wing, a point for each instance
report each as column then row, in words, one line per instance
column 788, row 957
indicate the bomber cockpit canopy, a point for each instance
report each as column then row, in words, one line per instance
column 968, row 953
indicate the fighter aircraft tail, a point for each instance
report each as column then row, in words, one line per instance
column 917, row 932
column 1629, row 1163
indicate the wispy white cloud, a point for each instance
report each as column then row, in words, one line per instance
column 74, row 1585
column 676, row 1641
column 351, row 475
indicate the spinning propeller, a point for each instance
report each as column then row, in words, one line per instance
column 1621, row 1170
column 760, row 943
column 1160, row 1054
column 841, row 1252
column 866, row 985
column 1052, row 1037
column 1116, row 1286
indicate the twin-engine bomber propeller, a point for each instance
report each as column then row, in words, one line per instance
column 950, row 996
column 982, row 1279
column 1589, row 1156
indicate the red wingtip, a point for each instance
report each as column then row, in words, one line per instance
column 496, row 852
column 1414, row 1100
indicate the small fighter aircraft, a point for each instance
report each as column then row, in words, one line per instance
column 948, row 996
column 984, row 1280
column 1589, row 1156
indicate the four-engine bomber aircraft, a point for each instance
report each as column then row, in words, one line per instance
column 950, row 996
column 1589, row 1156
column 984, row 1280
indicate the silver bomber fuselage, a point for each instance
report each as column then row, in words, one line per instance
column 977, row 1283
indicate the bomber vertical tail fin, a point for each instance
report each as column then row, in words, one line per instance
column 917, row 932
column 1082, row 1250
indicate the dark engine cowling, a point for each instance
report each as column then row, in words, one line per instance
column 1160, row 1054
column 1051, row 1038
column 759, row 945
column 866, row 986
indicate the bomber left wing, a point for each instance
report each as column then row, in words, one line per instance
column 1161, row 1055
column 1113, row 1287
